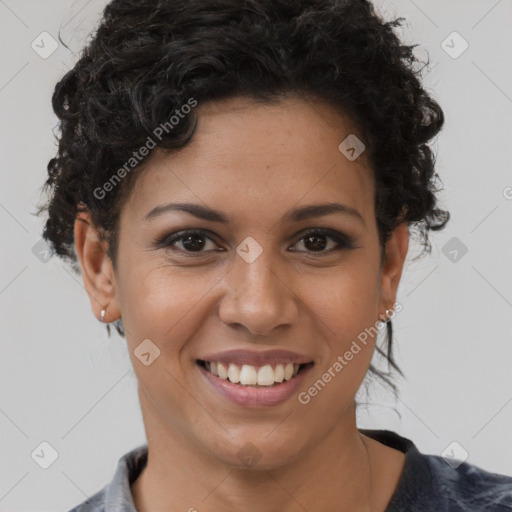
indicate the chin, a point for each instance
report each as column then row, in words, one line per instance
column 261, row 451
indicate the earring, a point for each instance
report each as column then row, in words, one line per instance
column 115, row 322
column 388, row 314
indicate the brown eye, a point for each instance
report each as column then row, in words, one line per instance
column 317, row 240
column 191, row 241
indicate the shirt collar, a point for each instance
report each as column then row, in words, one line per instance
column 118, row 495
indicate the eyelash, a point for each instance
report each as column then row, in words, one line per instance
column 342, row 241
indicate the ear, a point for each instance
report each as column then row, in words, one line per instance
column 97, row 269
column 391, row 271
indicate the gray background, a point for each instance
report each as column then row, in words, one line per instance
column 64, row 382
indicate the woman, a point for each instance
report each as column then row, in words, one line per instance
column 237, row 182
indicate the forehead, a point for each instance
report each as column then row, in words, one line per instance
column 258, row 159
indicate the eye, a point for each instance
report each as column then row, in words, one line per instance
column 191, row 240
column 316, row 241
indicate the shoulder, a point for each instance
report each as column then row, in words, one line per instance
column 95, row 503
column 470, row 488
column 429, row 483
column 117, row 496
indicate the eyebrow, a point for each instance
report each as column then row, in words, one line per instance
column 295, row 215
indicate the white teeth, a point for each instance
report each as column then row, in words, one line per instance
column 288, row 371
column 221, row 369
column 265, row 376
column 248, row 375
column 234, row 373
column 279, row 373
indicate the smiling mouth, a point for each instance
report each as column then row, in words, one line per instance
column 268, row 375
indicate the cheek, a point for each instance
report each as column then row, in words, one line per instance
column 345, row 302
column 167, row 307
column 346, row 312
column 164, row 304
column 345, row 307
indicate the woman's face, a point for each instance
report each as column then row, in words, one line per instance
column 253, row 283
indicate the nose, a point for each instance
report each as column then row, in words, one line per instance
column 258, row 298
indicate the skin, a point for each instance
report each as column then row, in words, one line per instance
column 254, row 163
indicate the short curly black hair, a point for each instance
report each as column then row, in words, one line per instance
column 148, row 58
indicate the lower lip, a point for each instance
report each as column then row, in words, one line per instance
column 255, row 397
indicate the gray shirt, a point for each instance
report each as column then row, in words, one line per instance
column 427, row 483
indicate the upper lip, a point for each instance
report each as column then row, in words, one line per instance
column 255, row 358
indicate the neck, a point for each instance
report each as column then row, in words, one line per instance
column 180, row 476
